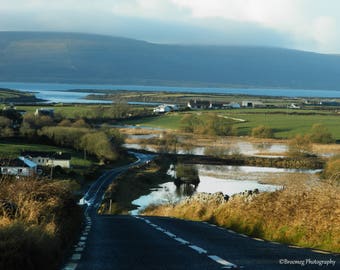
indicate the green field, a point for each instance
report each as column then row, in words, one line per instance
column 284, row 123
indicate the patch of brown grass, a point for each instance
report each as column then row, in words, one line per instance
column 46, row 220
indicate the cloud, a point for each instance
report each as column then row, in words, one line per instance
column 299, row 19
column 303, row 24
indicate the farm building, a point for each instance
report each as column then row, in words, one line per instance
column 164, row 108
column 44, row 112
column 19, row 166
column 251, row 103
column 53, row 159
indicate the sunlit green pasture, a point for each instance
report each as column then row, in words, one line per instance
column 284, row 123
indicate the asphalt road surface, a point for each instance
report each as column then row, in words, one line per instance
column 138, row 242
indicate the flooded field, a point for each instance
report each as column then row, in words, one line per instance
column 226, row 179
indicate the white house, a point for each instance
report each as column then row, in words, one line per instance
column 251, row 103
column 294, row 106
column 44, row 112
column 164, row 108
column 199, row 104
column 49, row 158
column 19, row 166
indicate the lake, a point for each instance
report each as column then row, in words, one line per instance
column 60, row 92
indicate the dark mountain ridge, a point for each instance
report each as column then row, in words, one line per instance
column 86, row 58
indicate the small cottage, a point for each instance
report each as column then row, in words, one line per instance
column 49, row 159
column 20, row 166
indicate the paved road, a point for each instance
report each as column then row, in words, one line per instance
column 127, row 242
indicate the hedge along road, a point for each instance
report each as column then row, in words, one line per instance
column 136, row 242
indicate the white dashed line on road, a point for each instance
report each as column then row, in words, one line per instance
column 184, row 242
column 198, row 249
column 225, row 263
column 170, row 234
column 76, row 257
column 79, row 249
column 258, row 239
column 70, row 266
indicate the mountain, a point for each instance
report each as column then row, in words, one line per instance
column 85, row 58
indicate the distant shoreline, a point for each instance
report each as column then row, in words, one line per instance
column 104, row 88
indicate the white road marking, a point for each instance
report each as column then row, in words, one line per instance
column 258, row 239
column 184, row 242
column 79, row 249
column 81, row 244
column 320, row 251
column 76, row 257
column 243, row 235
column 70, row 266
column 231, row 231
column 225, row 263
column 170, row 234
column 275, row 243
column 198, row 249
column 295, row 247
column 85, row 233
column 83, row 238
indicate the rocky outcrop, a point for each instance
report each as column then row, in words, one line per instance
column 219, row 197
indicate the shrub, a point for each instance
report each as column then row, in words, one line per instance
column 332, row 169
column 262, row 132
column 300, row 146
column 321, row 134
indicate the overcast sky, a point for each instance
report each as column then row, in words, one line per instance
column 311, row 25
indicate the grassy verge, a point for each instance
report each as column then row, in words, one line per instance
column 133, row 184
column 40, row 226
column 303, row 215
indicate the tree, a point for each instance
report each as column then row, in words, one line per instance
column 321, row 134
column 99, row 144
column 4, row 122
column 187, row 174
column 190, row 122
column 262, row 132
column 300, row 146
column 80, row 124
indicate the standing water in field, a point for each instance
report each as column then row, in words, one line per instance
column 226, row 179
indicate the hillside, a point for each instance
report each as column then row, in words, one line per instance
column 84, row 58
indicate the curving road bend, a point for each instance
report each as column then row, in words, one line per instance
column 137, row 242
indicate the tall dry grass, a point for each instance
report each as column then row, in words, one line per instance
column 42, row 227
column 303, row 215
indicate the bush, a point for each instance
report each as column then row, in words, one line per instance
column 332, row 169
column 300, row 146
column 321, row 134
column 262, row 132
column 208, row 124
